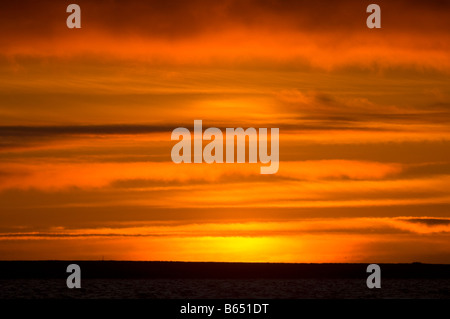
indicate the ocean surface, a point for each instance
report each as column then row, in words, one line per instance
column 173, row 280
column 226, row 289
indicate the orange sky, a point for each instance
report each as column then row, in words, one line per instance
column 86, row 117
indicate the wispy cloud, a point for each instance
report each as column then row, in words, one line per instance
column 355, row 239
column 296, row 31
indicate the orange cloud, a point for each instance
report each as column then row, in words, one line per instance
column 308, row 240
column 201, row 32
column 63, row 175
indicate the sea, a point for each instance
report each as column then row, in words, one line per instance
column 169, row 280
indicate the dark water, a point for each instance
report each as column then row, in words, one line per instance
column 224, row 288
column 193, row 280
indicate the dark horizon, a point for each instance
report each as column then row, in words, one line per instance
column 218, row 270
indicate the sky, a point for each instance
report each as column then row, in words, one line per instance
column 86, row 117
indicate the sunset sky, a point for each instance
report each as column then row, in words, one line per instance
column 86, row 117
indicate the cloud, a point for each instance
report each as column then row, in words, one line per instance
column 429, row 221
column 422, row 225
column 350, row 111
column 248, row 228
column 231, row 31
column 180, row 18
column 93, row 175
column 118, row 129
